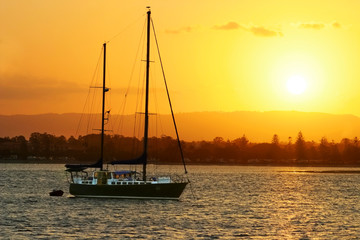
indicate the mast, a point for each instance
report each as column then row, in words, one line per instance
column 146, row 127
column 103, row 112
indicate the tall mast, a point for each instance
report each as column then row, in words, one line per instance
column 146, row 127
column 103, row 112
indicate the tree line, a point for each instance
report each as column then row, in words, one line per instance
column 59, row 149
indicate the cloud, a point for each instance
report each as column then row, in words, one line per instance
column 263, row 32
column 181, row 30
column 259, row 31
column 336, row 25
column 318, row 26
column 228, row 26
column 32, row 88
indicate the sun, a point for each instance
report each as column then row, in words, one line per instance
column 296, row 85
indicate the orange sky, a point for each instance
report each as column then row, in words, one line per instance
column 226, row 55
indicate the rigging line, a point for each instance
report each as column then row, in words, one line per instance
column 140, row 97
column 138, row 139
column 93, row 102
column 192, row 190
column 122, row 108
column 109, row 99
column 96, row 104
column 87, row 97
column 157, row 108
column 89, row 105
column 91, row 113
column 168, row 95
column 109, row 84
column 134, row 132
column 140, row 93
column 154, row 133
column 136, row 135
column 127, row 27
column 143, row 77
column 155, row 98
column 93, row 105
column 157, row 118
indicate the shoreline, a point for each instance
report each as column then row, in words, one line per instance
column 12, row 161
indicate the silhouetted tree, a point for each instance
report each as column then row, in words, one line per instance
column 35, row 145
column 312, row 151
column 335, row 157
column 275, row 151
column 22, row 148
column 218, row 140
column 240, row 150
column 289, row 150
column 275, row 140
column 241, row 142
column 347, row 149
column 300, row 146
column 324, row 149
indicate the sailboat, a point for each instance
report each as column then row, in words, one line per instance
column 102, row 183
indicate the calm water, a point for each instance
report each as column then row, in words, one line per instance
column 231, row 203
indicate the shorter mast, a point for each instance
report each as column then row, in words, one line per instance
column 103, row 112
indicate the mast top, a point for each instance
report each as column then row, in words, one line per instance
column 149, row 9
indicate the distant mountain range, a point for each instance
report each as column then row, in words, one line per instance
column 257, row 126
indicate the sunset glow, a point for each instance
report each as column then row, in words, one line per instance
column 180, row 119
column 296, row 85
column 218, row 57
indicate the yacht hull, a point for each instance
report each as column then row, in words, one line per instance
column 170, row 191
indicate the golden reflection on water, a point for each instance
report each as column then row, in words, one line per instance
column 232, row 203
column 293, row 196
column 304, row 204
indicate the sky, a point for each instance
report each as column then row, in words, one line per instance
column 228, row 55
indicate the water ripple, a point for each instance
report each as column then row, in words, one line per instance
column 232, row 203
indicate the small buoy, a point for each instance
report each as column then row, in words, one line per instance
column 57, row 193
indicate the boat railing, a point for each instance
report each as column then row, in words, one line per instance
column 164, row 180
column 111, row 180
